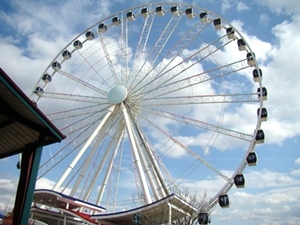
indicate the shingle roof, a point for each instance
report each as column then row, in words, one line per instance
column 21, row 122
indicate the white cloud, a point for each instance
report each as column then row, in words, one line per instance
column 226, row 5
column 44, row 183
column 297, row 161
column 242, row 7
column 296, row 172
column 264, row 19
column 278, row 198
column 7, row 193
column 278, row 6
column 265, row 178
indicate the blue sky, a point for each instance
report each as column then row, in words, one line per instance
column 33, row 32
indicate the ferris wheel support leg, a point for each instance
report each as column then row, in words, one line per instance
column 100, row 166
column 160, row 188
column 89, row 159
column 83, row 149
column 111, row 163
column 136, row 156
column 149, row 172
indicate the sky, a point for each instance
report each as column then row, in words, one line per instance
column 33, row 32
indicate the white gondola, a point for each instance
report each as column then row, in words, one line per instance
column 47, row 78
column 130, row 16
column 39, row 91
column 257, row 75
column 241, row 45
column 224, row 201
column 159, row 11
column 262, row 93
column 56, row 65
column 145, row 12
column 204, row 218
column 218, row 24
column 264, row 114
column 239, row 181
column 260, row 136
column 250, row 58
column 77, row 44
column 174, row 10
column 189, row 13
column 66, row 54
column 230, row 33
column 89, row 35
column 203, row 17
column 116, row 21
column 251, row 159
column 102, row 28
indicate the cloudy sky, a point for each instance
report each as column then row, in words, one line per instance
column 33, row 32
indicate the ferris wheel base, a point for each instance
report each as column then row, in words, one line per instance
column 170, row 208
column 64, row 207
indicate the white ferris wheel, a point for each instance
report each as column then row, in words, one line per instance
column 152, row 99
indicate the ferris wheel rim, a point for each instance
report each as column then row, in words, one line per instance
column 122, row 94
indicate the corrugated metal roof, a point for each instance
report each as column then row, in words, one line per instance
column 21, row 122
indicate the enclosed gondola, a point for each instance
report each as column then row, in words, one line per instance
column 239, row 181
column 241, row 44
column 89, row 35
column 204, row 218
column 224, row 201
column 230, row 33
column 102, row 28
column 77, row 44
column 56, row 65
column 262, row 93
column 66, row 54
column 217, row 24
column 203, row 17
column 260, row 136
column 189, row 13
column 47, row 78
column 257, row 75
column 251, row 159
column 263, row 114
column 159, row 11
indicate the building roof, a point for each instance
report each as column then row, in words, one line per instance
column 21, row 122
column 154, row 213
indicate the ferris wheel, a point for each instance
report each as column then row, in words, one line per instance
column 153, row 99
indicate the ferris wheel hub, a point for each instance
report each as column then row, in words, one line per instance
column 117, row 94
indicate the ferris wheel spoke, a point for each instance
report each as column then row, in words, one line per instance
column 74, row 97
column 200, row 99
column 79, row 118
column 91, row 65
column 108, row 57
column 124, row 52
column 175, row 52
column 196, row 123
column 169, row 75
column 141, row 50
column 158, row 47
column 194, row 80
column 81, row 81
column 76, row 112
column 189, row 151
